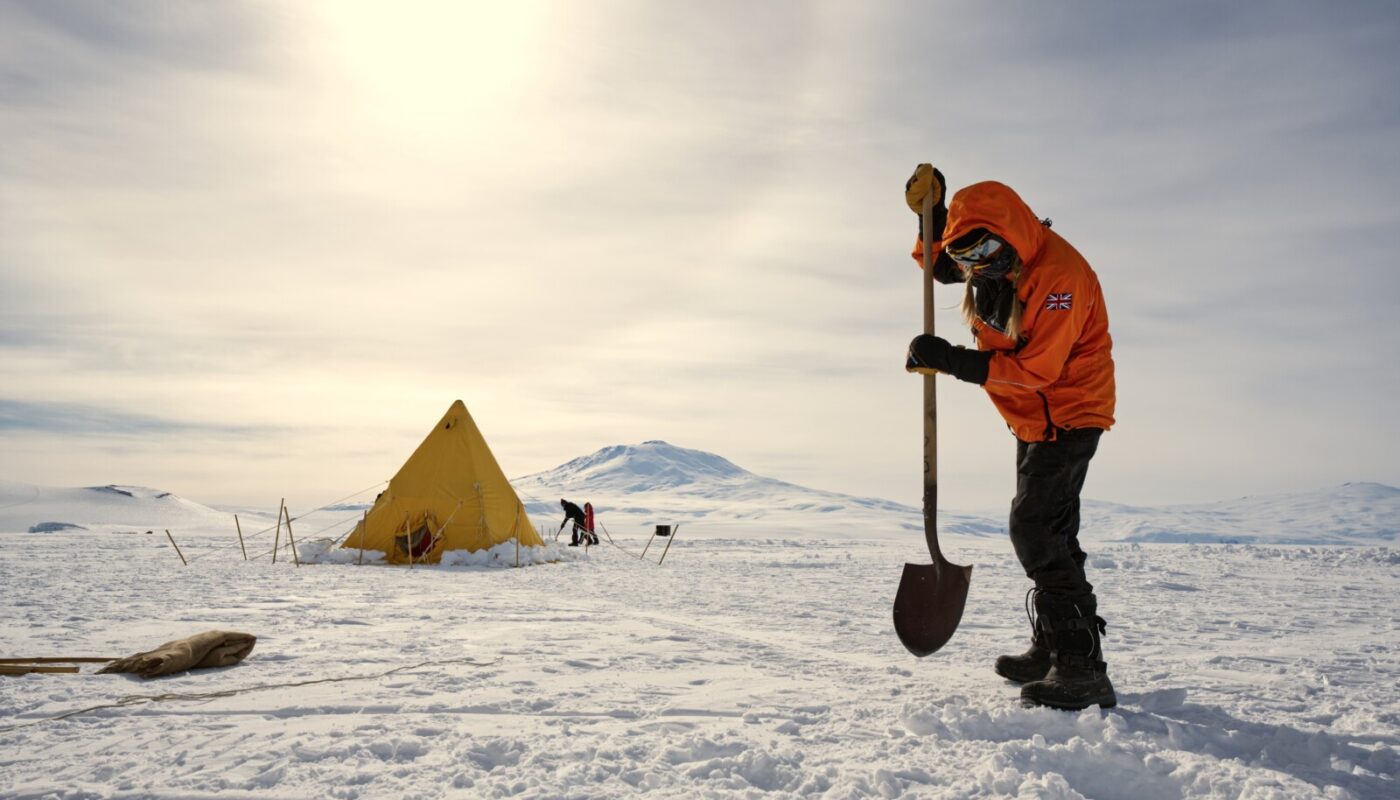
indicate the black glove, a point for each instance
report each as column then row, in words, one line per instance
column 934, row 353
column 926, row 179
column 940, row 222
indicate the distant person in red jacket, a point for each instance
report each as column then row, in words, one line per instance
column 588, row 523
column 1044, row 356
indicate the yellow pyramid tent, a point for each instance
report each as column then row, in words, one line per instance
column 449, row 495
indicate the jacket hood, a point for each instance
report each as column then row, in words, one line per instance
column 996, row 207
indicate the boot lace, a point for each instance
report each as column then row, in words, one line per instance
column 1031, row 594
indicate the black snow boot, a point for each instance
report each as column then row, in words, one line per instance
column 1033, row 664
column 1078, row 676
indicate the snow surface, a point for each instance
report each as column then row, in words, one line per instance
column 744, row 666
column 758, row 661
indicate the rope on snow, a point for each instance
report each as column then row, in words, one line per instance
column 141, row 699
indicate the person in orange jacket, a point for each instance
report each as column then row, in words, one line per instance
column 1044, row 356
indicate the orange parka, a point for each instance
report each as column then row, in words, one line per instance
column 1060, row 374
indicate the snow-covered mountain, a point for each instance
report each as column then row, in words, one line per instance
column 672, row 484
column 41, row 509
column 704, row 481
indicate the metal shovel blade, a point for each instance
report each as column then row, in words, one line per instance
column 929, row 604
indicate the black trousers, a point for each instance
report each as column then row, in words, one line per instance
column 581, row 533
column 1045, row 513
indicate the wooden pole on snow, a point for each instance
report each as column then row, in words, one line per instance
column 24, row 666
column 364, row 524
column 277, row 538
column 240, row 537
column 56, row 660
column 177, row 548
column 290, row 541
column 25, row 669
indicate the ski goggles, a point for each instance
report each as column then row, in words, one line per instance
column 987, row 254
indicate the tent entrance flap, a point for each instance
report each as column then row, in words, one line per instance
column 418, row 542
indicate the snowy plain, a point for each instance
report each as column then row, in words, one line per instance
column 758, row 661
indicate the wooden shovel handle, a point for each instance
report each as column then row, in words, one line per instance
column 930, row 397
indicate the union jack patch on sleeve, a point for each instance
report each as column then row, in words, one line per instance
column 1059, row 301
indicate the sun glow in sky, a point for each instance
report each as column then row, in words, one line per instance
column 255, row 249
column 437, row 71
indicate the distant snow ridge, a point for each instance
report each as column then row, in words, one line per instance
column 658, row 480
column 132, row 492
column 46, row 509
column 1353, row 513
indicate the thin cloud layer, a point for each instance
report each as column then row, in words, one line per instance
column 71, row 420
column 613, row 222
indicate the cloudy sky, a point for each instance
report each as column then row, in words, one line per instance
column 250, row 250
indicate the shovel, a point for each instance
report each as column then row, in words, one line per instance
column 930, row 600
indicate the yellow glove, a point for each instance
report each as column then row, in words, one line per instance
column 925, row 179
column 910, row 368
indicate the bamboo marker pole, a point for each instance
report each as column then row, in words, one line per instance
column 277, row 538
column 177, row 548
column 482, row 529
column 364, row 525
column 240, row 537
column 515, row 528
column 290, row 541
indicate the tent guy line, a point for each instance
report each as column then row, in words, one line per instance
column 299, row 516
